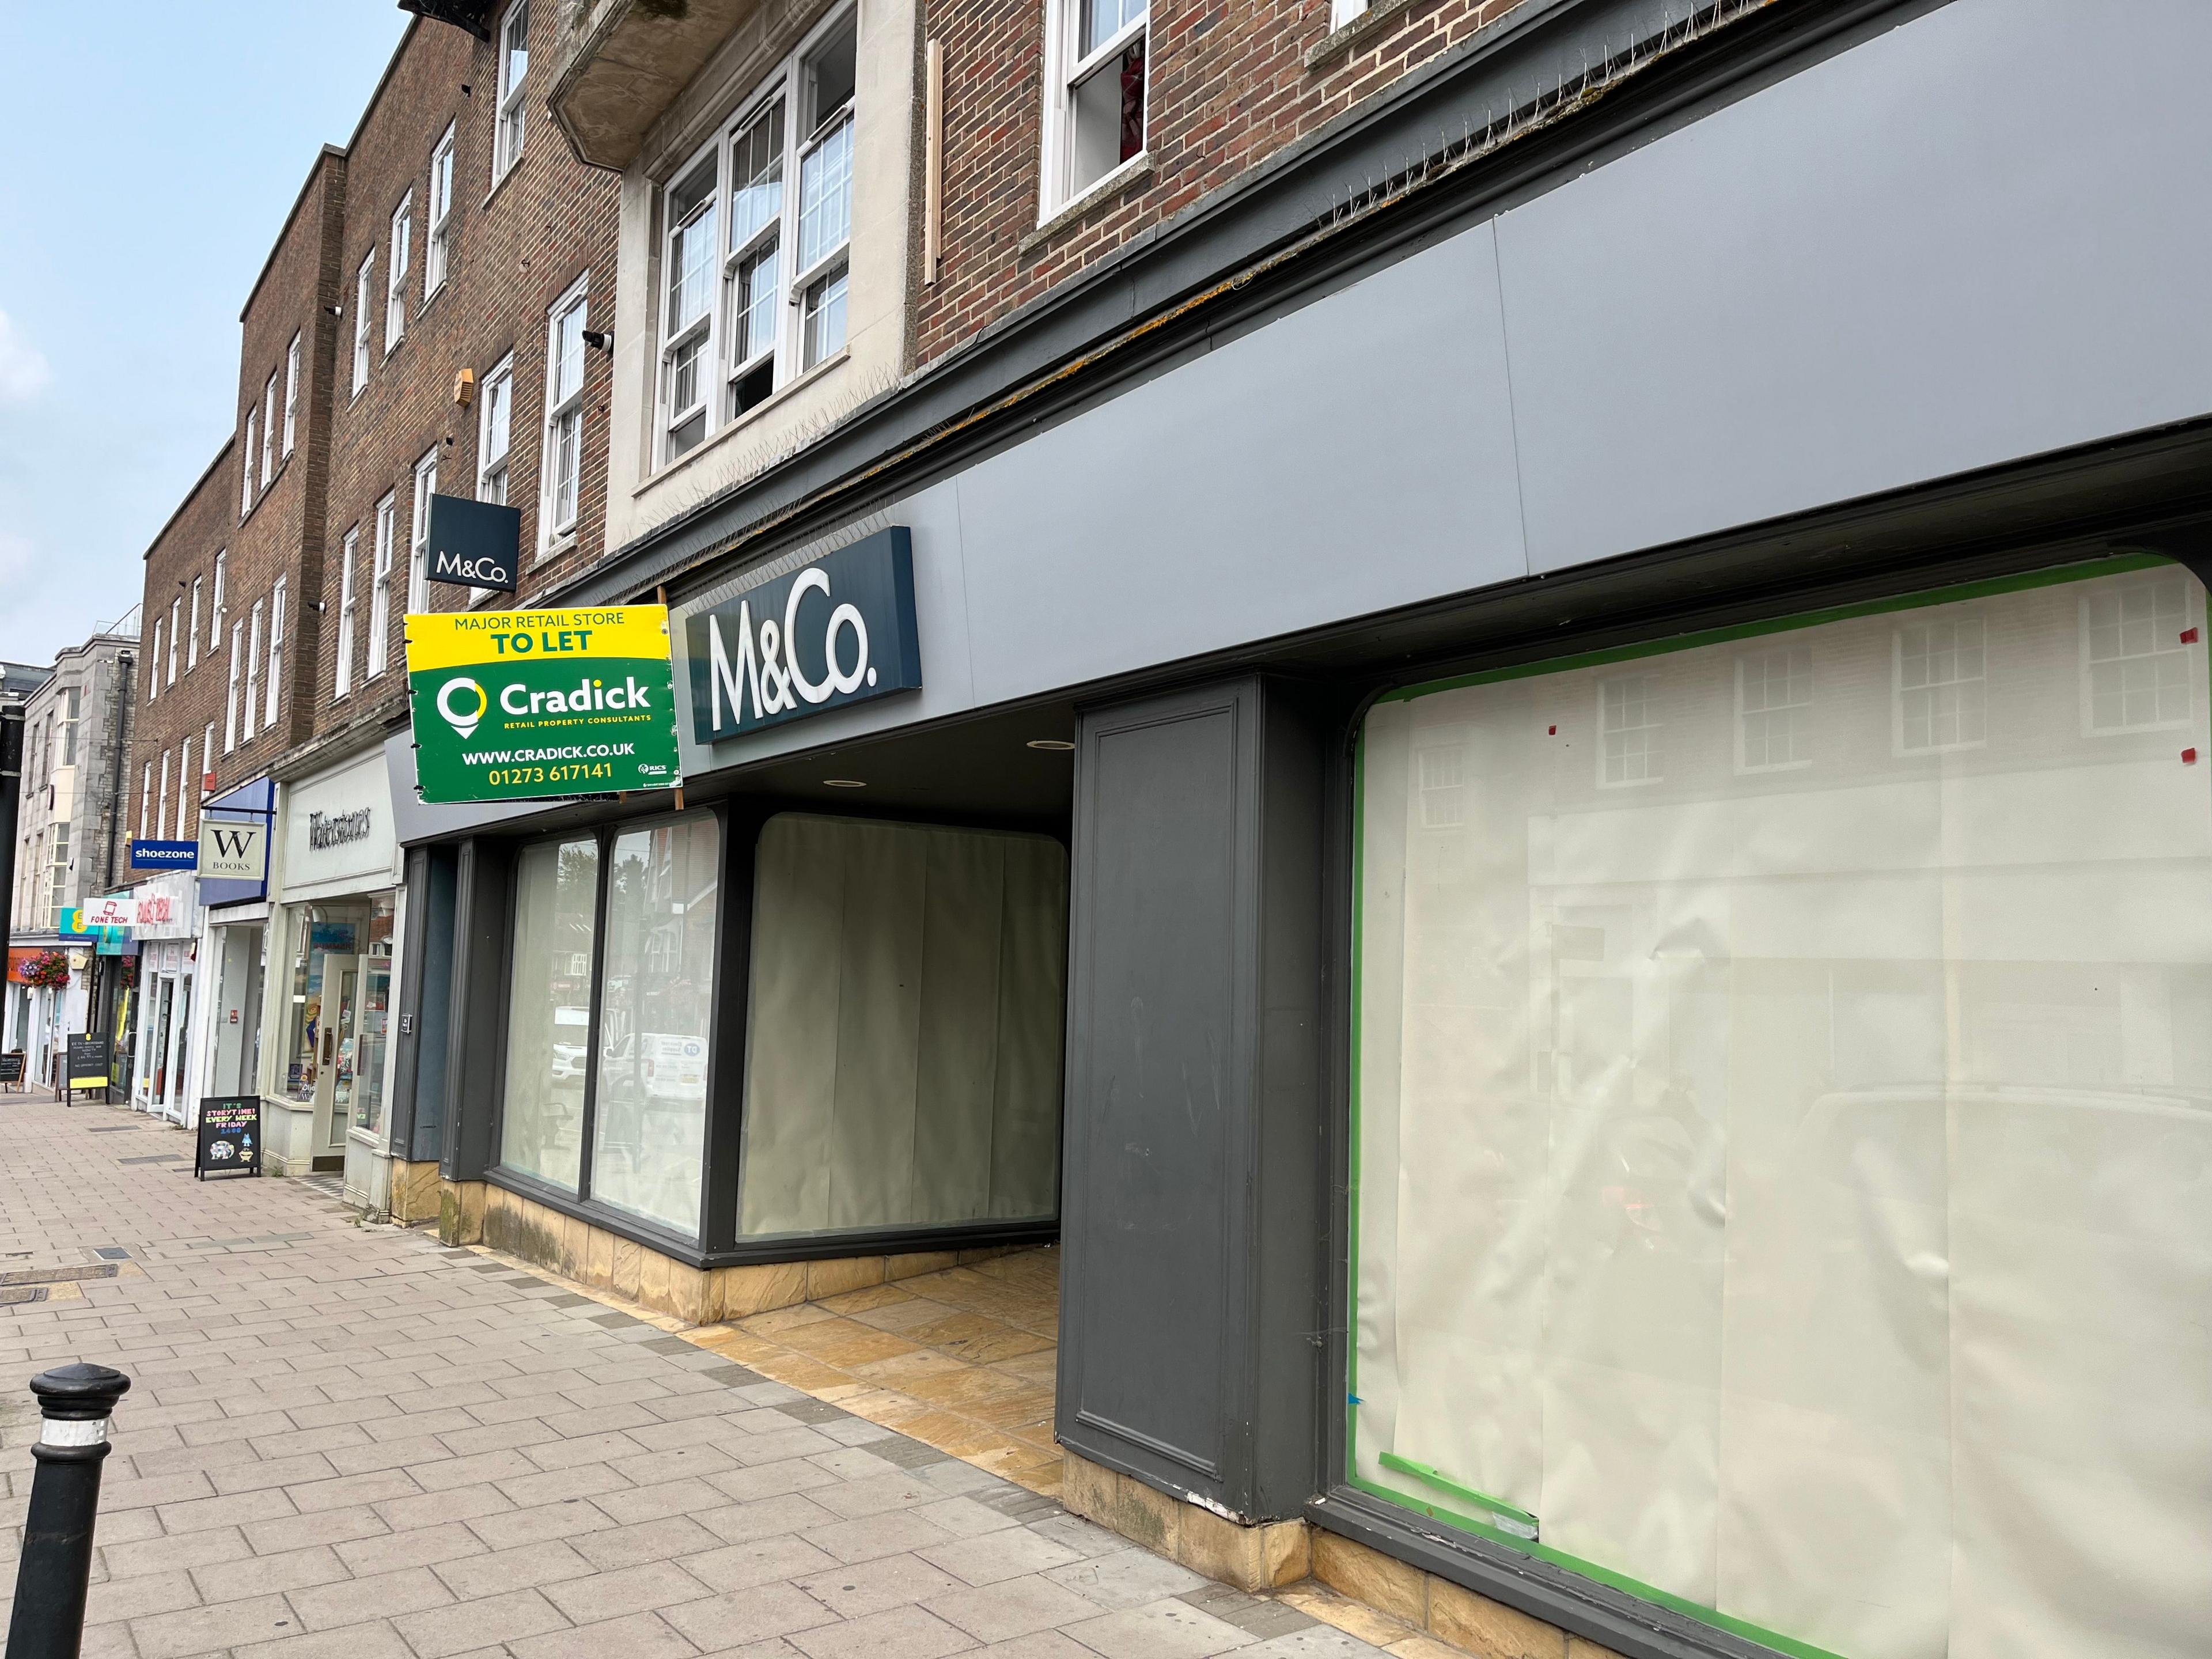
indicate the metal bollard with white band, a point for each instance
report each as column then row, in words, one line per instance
column 50, row 1579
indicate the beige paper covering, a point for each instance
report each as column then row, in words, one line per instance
column 908, row 1001
column 1794, row 1184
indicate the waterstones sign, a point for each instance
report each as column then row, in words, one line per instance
column 839, row 629
column 516, row 705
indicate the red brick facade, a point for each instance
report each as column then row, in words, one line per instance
column 170, row 712
column 1228, row 85
column 516, row 246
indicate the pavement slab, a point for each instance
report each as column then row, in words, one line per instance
column 348, row 1439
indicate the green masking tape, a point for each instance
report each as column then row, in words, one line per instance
column 1437, row 1478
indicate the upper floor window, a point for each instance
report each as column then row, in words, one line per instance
column 192, row 644
column 270, row 421
column 2137, row 664
column 728, row 337
column 1628, row 730
column 176, row 622
column 72, row 713
column 1094, row 121
column 395, row 276
column 231, row 687
column 217, row 604
column 564, row 415
column 153, row 665
column 437, row 244
column 513, row 71
column 1774, row 710
column 291, row 395
column 1940, row 695
column 380, row 587
column 495, row 431
column 252, row 674
column 246, row 463
column 361, row 291
column 276, row 652
column 343, row 682
column 418, row 540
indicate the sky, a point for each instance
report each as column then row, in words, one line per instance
column 149, row 153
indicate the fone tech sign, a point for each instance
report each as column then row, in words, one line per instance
column 839, row 629
column 517, row 705
column 473, row 544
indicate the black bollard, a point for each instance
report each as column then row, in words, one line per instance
column 50, row 1579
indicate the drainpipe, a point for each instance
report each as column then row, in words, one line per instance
column 124, row 662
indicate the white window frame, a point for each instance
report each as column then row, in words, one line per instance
column 270, row 417
column 1653, row 757
column 161, row 802
column 252, row 673
column 275, row 653
column 184, row 784
column 510, row 125
column 2166, row 641
column 342, row 679
column 291, row 396
column 1066, row 67
column 207, row 756
column 145, row 805
column 1897, row 744
column 153, row 663
column 552, row 528
column 380, row 587
column 363, row 286
column 176, row 627
column 192, row 644
column 418, row 533
column 495, row 468
column 1757, row 654
column 246, row 492
column 438, row 227
column 1342, row 12
column 715, row 331
column 216, row 601
column 231, row 687
column 397, row 265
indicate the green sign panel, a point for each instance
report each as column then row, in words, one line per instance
column 516, row 705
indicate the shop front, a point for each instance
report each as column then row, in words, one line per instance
column 1603, row 973
column 329, row 979
column 166, row 928
column 234, row 889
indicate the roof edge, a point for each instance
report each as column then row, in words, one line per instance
column 198, row 484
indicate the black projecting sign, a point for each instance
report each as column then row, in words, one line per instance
column 230, row 1136
column 473, row 544
column 839, row 629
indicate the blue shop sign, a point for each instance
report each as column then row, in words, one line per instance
column 839, row 629
column 164, row 855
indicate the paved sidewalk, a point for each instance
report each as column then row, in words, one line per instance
column 348, row 1440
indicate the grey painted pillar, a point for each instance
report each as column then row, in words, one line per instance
column 1193, row 1207
column 476, row 1032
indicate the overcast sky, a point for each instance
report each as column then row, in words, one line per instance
column 149, row 153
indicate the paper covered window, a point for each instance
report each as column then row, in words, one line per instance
column 908, row 1002
column 1785, row 1190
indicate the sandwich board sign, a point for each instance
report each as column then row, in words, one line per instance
column 230, row 1136
column 89, row 1056
column 521, row 705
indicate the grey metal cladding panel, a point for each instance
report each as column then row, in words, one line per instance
column 1155, row 1095
column 1980, row 235
column 1352, row 456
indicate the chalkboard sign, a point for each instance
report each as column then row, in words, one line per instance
column 230, row 1136
column 11, row 1066
column 88, row 1059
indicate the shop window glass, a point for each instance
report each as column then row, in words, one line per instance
column 320, row 1048
column 371, row 1040
column 1785, row 1191
column 656, row 992
column 908, row 999
column 548, row 1010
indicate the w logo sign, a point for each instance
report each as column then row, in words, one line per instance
column 232, row 850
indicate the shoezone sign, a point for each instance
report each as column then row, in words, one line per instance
column 517, row 705
column 838, row 629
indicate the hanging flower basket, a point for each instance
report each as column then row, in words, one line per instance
column 46, row 967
